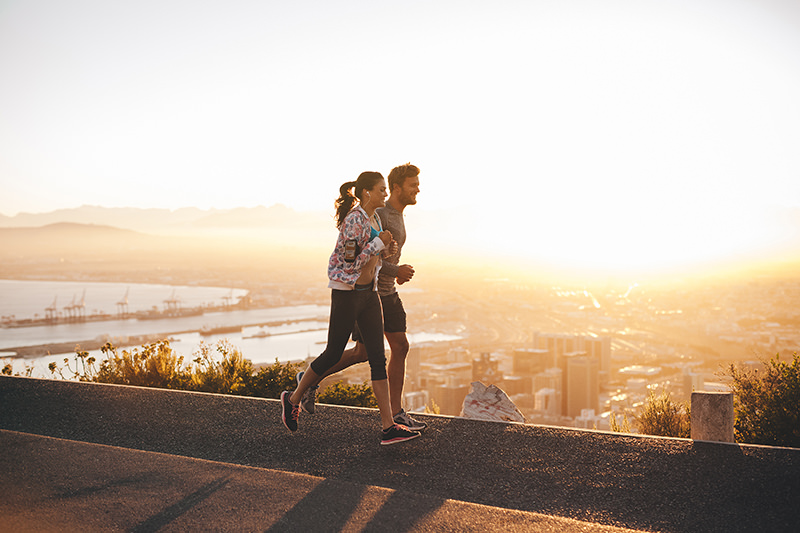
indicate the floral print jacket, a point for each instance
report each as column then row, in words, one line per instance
column 353, row 250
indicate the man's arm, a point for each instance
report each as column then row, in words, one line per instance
column 393, row 221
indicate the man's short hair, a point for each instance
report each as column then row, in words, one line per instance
column 399, row 174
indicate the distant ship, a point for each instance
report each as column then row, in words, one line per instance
column 216, row 330
column 259, row 334
column 155, row 314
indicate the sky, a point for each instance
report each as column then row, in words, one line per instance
column 600, row 134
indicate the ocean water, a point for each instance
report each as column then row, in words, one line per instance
column 30, row 299
column 302, row 331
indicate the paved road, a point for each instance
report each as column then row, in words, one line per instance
column 62, row 485
column 333, row 471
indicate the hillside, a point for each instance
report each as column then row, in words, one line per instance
column 69, row 250
column 173, row 222
column 69, row 242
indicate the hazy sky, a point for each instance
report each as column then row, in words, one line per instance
column 605, row 133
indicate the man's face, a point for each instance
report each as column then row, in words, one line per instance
column 407, row 194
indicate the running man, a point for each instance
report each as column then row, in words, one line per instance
column 403, row 187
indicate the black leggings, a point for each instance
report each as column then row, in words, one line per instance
column 348, row 308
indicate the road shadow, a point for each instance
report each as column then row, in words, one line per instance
column 331, row 505
column 174, row 511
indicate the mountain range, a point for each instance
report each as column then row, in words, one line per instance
column 179, row 221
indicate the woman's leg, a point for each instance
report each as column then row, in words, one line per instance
column 370, row 323
column 381, row 390
column 310, row 378
column 340, row 326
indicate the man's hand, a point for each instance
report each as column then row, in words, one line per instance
column 404, row 274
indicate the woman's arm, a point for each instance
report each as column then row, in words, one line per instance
column 354, row 237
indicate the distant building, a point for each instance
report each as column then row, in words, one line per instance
column 513, row 385
column 562, row 362
column 583, row 385
column 486, row 370
column 458, row 355
column 415, row 401
column 555, row 343
column 640, row 371
column 548, row 402
column 450, row 397
column 600, row 349
column 549, row 379
column 589, row 420
column 637, row 386
column 413, row 361
column 530, row 361
column 559, row 344
column 691, row 382
column 715, row 386
column 453, row 372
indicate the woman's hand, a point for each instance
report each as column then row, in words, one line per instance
column 386, row 237
column 391, row 249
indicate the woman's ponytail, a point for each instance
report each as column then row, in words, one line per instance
column 345, row 202
column 347, row 199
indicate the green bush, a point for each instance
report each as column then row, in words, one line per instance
column 224, row 372
column 270, row 381
column 767, row 403
column 155, row 365
column 232, row 374
column 623, row 426
column 661, row 416
column 342, row 394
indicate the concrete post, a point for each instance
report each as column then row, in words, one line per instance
column 712, row 416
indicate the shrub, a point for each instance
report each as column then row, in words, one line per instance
column 661, row 416
column 767, row 403
column 270, row 381
column 432, row 408
column 342, row 394
column 229, row 375
column 619, row 427
column 156, row 365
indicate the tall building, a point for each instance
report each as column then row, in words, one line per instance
column 450, row 397
column 548, row 402
column 555, row 343
column 486, row 370
column 513, row 385
column 583, row 385
column 549, row 379
column 600, row 349
column 530, row 361
column 563, row 364
column 413, row 360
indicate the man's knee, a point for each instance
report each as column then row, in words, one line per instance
column 398, row 343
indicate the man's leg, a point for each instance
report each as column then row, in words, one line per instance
column 396, row 369
column 394, row 321
column 350, row 357
column 356, row 354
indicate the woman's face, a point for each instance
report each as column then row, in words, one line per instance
column 376, row 197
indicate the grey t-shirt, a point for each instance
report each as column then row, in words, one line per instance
column 391, row 220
